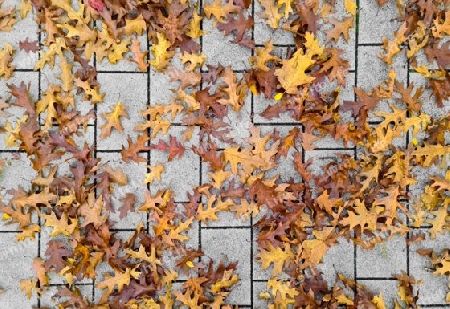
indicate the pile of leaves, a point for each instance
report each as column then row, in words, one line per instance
column 365, row 198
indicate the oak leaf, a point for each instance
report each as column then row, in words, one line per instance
column 174, row 148
column 155, row 173
column 113, row 120
column 292, row 73
column 120, row 279
column 366, row 219
column 271, row 13
column 161, row 53
column 219, row 10
column 29, row 46
column 134, row 149
column 65, row 225
column 7, row 18
column 140, row 58
column 276, row 256
column 263, row 57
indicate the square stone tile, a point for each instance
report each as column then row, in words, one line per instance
column 218, row 49
column 235, row 244
column 136, row 174
column 434, row 288
column 387, row 288
column 339, row 259
column 180, row 175
column 384, row 261
column 131, row 90
column 10, row 179
column 23, row 29
column 372, row 70
column 376, row 22
column 15, row 265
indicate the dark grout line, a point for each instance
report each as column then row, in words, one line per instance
column 408, row 234
column 369, row 44
column 25, row 70
column 283, row 124
column 39, row 120
column 358, row 6
column 75, row 284
column 120, row 72
column 122, row 230
column 276, row 45
column 148, row 131
column 333, row 148
column 226, row 227
column 375, row 278
column 199, row 243
column 95, row 149
column 12, row 151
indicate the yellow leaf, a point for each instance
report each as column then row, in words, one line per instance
column 220, row 10
column 379, row 301
column 194, row 60
column 65, row 225
column 7, row 17
column 155, row 173
column 440, row 30
column 160, row 53
column 227, row 281
column 292, row 73
column 6, row 53
column 25, row 8
column 194, row 30
column 287, row 7
column 118, row 49
column 282, row 292
column 271, row 13
column 190, row 264
column 66, row 75
column 113, row 120
column 278, row 96
column 28, row 285
column 90, row 92
column 119, row 279
column 350, row 6
column 277, row 256
column 344, row 300
column 137, row 25
column 253, row 89
column 142, row 255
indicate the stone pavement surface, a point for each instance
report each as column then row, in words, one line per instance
column 229, row 236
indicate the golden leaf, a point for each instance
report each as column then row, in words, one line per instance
column 350, row 6
column 155, row 173
column 113, row 120
column 6, row 53
column 160, row 53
